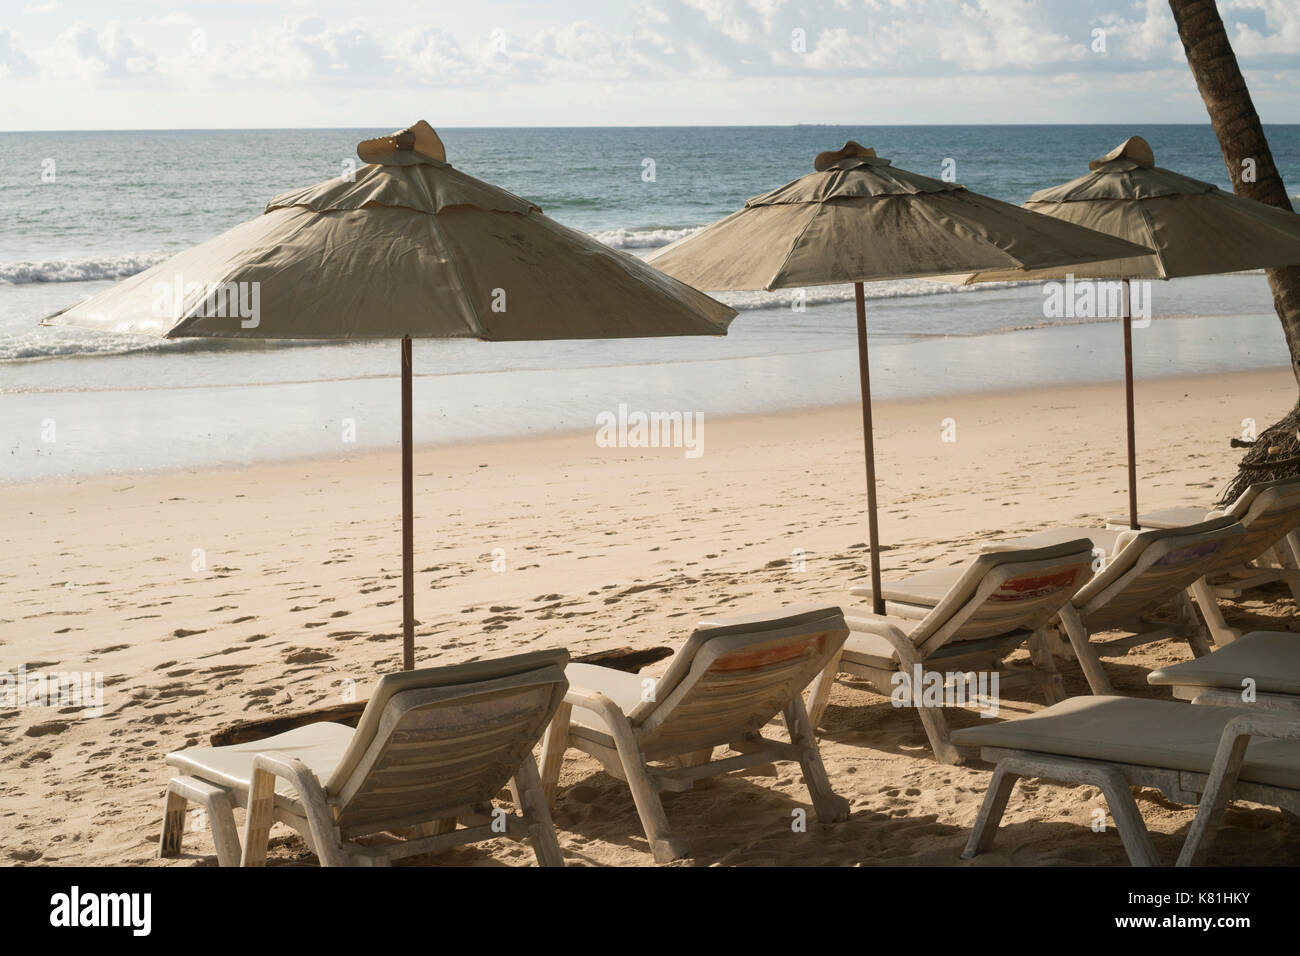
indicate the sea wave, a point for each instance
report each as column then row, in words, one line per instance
column 829, row 294
column 69, row 342
column 642, row 238
column 99, row 268
column 88, row 269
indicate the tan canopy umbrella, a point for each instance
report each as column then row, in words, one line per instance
column 1193, row 228
column 858, row 219
column 407, row 247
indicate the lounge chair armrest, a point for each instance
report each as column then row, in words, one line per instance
column 1222, row 779
column 261, row 807
column 1270, row 724
column 1122, row 541
column 595, row 702
column 876, row 624
column 1236, row 738
column 902, row 644
column 291, row 768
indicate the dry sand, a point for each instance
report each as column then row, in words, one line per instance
column 299, row 594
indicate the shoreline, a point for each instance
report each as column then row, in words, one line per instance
column 881, row 407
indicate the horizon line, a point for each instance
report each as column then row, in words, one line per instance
column 251, row 129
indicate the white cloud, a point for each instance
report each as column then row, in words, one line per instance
column 1281, row 17
column 13, row 61
column 702, row 45
column 85, row 54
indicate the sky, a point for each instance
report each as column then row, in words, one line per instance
column 140, row 64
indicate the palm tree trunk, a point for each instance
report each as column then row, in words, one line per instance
column 1254, row 175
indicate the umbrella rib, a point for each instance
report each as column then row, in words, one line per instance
column 816, row 211
column 1158, row 254
column 953, row 217
column 479, row 331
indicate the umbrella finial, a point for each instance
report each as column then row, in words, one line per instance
column 406, row 147
column 851, row 149
column 1135, row 149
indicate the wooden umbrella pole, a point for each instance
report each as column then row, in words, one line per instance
column 864, row 371
column 1128, row 399
column 408, row 517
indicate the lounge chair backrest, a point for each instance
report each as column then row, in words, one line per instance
column 1239, row 508
column 1268, row 511
column 1003, row 592
column 735, row 674
column 443, row 738
column 1152, row 569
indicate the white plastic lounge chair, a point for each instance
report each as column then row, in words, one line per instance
column 1269, row 511
column 1146, row 569
column 729, row 679
column 1192, row 754
column 957, row 620
column 432, row 747
column 1262, row 668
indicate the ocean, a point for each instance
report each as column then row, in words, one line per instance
column 118, row 202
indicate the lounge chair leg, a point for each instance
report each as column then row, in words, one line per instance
column 182, row 791
column 1045, row 672
column 990, row 815
column 1212, row 613
column 537, row 817
column 645, row 795
column 1085, row 652
column 1128, row 819
column 1192, row 626
column 225, row 835
column 257, row 822
column 936, row 730
column 830, row 806
column 1214, row 802
column 1289, row 548
column 819, row 694
column 554, row 744
column 173, row 828
column 1112, row 783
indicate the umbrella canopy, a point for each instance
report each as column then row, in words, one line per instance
column 1193, row 228
column 406, row 247
column 410, row 246
column 858, row 219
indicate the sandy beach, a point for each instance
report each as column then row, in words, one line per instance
column 214, row 595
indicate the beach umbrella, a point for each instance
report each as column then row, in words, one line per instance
column 858, row 219
column 404, row 247
column 1193, row 228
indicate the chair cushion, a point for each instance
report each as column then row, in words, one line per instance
column 622, row 688
column 1271, row 658
column 320, row 746
column 1165, row 518
column 1103, row 538
column 1146, row 733
column 926, row 588
column 872, row 650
